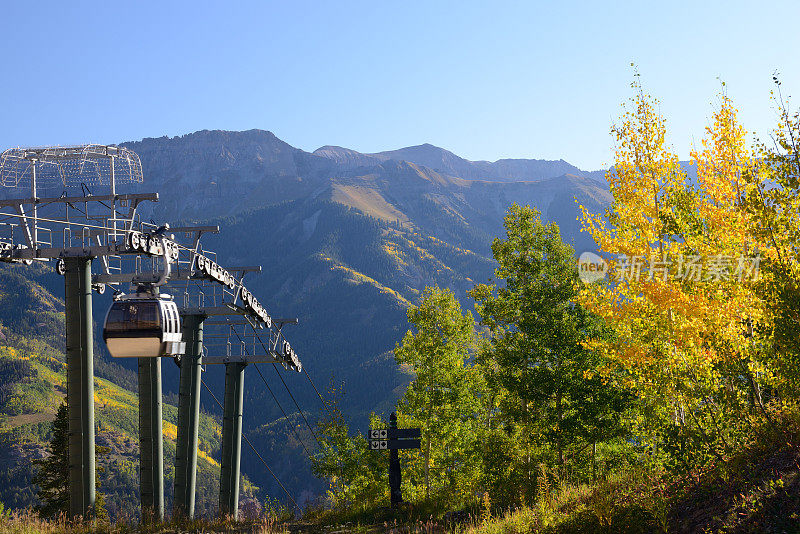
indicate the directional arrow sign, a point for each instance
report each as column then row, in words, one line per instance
column 404, row 433
column 404, row 444
column 382, row 444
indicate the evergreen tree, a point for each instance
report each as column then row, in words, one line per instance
column 52, row 476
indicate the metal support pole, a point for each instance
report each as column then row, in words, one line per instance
column 35, row 228
column 395, row 494
column 80, row 384
column 151, row 443
column 113, row 221
column 231, row 440
column 188, row 416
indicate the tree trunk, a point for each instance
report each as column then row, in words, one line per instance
column 427, row 465
column 560, row 412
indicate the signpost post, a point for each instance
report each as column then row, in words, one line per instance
column 394, row 439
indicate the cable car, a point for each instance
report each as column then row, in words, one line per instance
column 143, row 326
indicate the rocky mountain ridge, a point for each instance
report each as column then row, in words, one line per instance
column 445, row 162
column 219, row 173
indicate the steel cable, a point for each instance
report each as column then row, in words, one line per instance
column 282, row 411
column 276, row 399
column 287, row 390
column 288, row 495
column 324, row 404
column 295, row 404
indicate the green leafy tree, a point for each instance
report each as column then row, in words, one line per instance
column 444, row 399
column 553, row 395
column 357, row 477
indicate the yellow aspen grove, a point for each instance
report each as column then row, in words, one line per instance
column 683, row 263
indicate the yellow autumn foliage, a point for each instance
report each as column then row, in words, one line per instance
column 682, row 259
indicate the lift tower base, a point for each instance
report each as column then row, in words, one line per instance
column 151, row 441
column 188, row 416
column 80, row 384
column 231, row 440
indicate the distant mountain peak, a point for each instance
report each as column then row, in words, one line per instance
column 428, row 147
column 334, row 149
column 254, row 133
column 347, row 158
column 425, row 148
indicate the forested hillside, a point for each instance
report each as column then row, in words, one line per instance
column 210, row 174
column 349, row 279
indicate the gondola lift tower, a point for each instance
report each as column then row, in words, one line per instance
column 75, row 214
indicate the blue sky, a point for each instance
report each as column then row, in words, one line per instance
column 486, row 80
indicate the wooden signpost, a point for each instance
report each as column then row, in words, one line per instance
column 394, row 439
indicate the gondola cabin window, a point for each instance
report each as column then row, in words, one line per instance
column 133, row 316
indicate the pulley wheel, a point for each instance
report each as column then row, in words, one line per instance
column 134, row 240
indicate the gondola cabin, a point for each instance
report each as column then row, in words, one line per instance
column 143, row 327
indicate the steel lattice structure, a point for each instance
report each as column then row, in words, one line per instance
column 70, row 166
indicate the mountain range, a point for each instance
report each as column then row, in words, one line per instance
column 210, row 174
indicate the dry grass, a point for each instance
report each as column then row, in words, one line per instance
column 369, row 201
column 624, row 502
column 29, row 522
